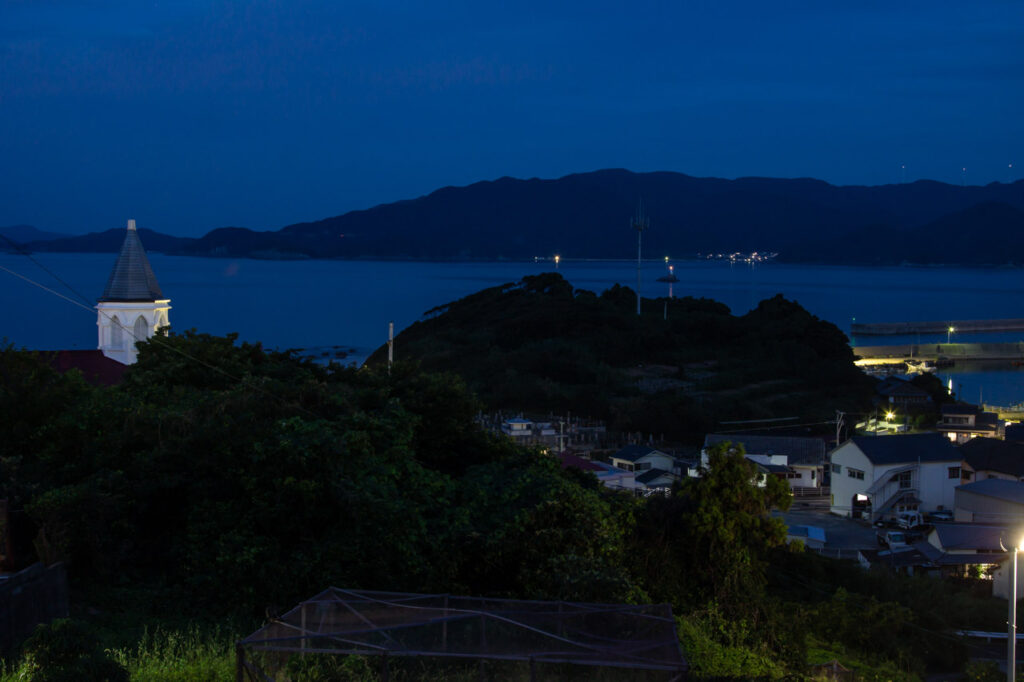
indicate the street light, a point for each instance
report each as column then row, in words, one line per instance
column 949, row 332
column 1011, row 623
column 889, row 415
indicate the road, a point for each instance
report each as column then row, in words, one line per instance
column 841, row 534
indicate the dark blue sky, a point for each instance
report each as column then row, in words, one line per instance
column 190, row 115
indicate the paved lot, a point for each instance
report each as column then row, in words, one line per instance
column 840, row 533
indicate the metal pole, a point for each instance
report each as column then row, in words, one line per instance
column 391, row 344
column 639, row 233
column 1011, row 633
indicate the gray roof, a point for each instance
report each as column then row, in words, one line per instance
column 915, row 447
column 651, row 475
column 632, row 453
column 798, row 450
column 971, row 536
column 132, row 278
column 991, row 454
column 999, row 488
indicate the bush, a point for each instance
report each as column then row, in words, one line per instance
column 67, row 651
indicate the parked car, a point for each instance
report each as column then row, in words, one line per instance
column 942, row 516
column 893, row 539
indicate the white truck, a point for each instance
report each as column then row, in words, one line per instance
column 893, row 539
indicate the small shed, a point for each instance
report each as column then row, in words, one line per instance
column 536, row 639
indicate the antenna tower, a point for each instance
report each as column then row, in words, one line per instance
column 640, row 223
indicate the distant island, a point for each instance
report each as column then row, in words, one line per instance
column 586, row 215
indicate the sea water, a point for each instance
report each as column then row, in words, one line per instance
column 330, row 305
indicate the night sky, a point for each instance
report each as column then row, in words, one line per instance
column 191, row 115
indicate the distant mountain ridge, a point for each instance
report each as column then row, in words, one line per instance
column 586, row 215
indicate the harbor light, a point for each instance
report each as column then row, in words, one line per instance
column 557, row 259
column 949, row 332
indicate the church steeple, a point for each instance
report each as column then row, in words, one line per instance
column 132, row 306
column 132, row 278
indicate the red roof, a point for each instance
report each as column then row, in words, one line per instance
column 578, row 462
column 97, row 368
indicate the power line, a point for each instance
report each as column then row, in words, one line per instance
column 158, row 340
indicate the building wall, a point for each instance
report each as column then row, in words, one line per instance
column 844, row 487
column 117, row 340
column 972, row 508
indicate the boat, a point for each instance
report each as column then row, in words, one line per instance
column 920, row 366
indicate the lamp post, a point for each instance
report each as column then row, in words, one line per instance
column 949, row 332
column 1011, row 624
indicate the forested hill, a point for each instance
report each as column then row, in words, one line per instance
column 679, row 369
column 587, row 215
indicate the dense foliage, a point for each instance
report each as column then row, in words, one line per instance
column 677, row 370
column 222, row 481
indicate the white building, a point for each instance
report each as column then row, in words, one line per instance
column 802, row 460
column 877, row 477
column 132, row 307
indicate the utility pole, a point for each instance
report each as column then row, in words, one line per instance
column 391, row 345
column 639, row 223
column 839, row 424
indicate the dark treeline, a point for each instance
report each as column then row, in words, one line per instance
column 678, row 370
column 220, row 479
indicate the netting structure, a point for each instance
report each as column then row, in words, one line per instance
column 535, row 635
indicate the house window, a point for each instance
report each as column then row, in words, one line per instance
column 837, row 468
column 855, row 473
column 643, row 466
column 813, row 474
column 905, row 479
column 954, row 472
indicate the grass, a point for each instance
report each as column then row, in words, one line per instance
column 191, row 655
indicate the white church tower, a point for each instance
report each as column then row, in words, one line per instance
column 132, row 307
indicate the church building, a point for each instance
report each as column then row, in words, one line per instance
column 132, row 307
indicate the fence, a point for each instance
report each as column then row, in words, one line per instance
column 31, row 596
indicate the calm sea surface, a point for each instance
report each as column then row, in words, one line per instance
column 304, row 304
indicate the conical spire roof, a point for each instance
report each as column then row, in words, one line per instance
column 132, row 278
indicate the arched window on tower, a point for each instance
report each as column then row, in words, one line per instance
column 116, row 332
column 141, row 329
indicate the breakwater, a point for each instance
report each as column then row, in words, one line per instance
column 935, row 327
column 945, row 351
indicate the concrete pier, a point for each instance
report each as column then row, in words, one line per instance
column 934, row 351
column 934, row 327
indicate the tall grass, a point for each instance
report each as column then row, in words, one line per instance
column 191, row 655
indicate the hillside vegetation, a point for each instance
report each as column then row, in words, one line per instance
column 679, row 369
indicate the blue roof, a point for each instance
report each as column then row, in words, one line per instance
column 915, row 447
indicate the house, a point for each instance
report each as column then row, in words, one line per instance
column 527, row 432
column 877, row 477
column 962, row 548
column 986, row 458
column 803, row 458
column 993, row 500
column 962, row 422
column 609, row 476
column 902, row 393
column 653, row 469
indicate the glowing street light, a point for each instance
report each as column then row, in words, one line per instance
column 949, row 332
column 1011, row 623
column 889, row 416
